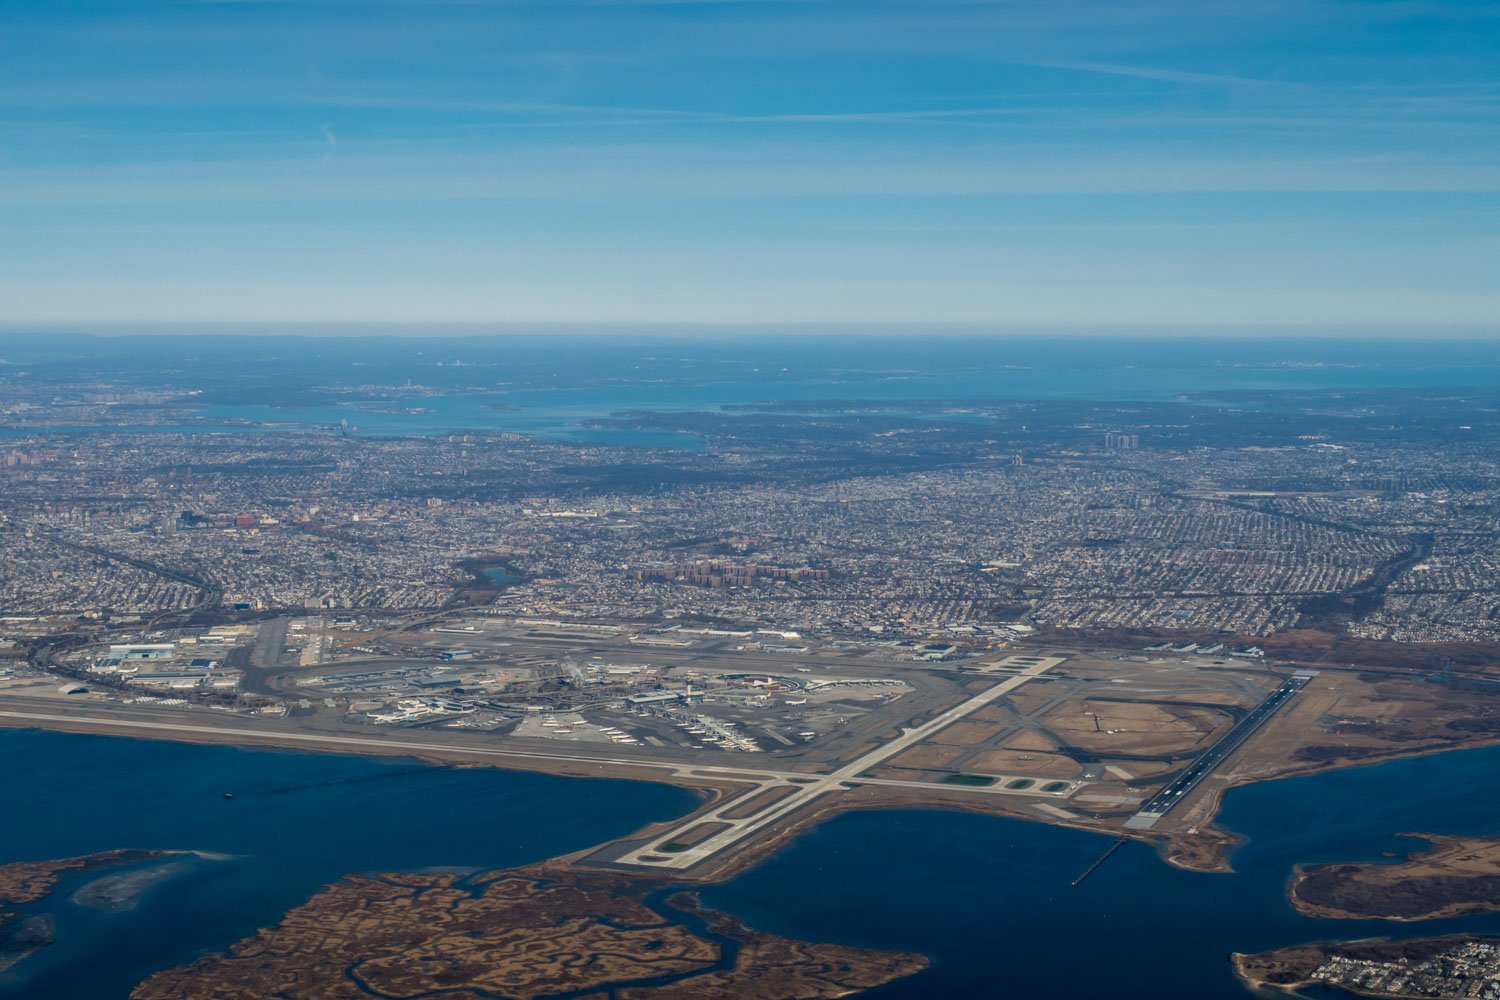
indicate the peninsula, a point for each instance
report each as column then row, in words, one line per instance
column 1456, row 876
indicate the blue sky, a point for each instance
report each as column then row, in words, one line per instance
column 1009, row 163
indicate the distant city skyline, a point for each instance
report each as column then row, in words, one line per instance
column 1001, row 165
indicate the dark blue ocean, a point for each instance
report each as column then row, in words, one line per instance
column 988, row 899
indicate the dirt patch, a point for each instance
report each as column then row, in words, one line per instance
column 759, row 801
column 1137, row 727
column 696, row 835
column 1031, row 765
column 967, row 734
column 925, row 755
column 1030, row 739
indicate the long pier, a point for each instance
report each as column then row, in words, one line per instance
column 1109, row 852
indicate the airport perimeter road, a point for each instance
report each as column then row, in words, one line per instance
column 812, row 787
column 1178, row 788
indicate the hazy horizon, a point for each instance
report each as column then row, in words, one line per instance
column 1191, row 333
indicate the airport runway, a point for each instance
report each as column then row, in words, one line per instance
column 811, row 787
column 1178, row 788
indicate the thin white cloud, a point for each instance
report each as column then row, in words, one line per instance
column 1164, row 74
column 645, row 173
column 604, row 114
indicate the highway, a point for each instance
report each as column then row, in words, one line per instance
column 1178, row 788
